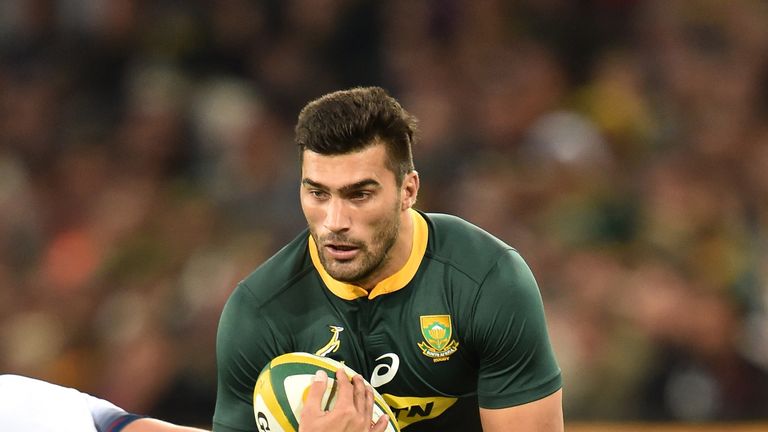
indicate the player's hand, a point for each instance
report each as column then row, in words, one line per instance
column 351, row 413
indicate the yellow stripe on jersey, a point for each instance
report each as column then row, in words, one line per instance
column 408, row 409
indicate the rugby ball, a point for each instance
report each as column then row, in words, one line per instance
column 282, row 385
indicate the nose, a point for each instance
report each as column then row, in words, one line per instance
column 336, row 216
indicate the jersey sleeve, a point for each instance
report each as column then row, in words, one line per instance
column 509, row 332
column 108, row 417
column 28, row 404
column 244, row 345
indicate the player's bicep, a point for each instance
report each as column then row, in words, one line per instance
column 543, row 415
column 517, row 363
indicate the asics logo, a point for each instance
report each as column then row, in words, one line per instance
column 386, row 371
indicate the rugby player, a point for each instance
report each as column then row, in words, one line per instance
column 445, row 320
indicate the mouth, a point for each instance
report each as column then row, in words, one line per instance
column 341, row 251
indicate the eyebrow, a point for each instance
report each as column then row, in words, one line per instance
column 346, row 188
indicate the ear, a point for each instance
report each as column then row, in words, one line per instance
column 410, row 190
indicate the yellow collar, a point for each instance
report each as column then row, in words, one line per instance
column 390, row 284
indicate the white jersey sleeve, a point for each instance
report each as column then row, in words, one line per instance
column 32, row 405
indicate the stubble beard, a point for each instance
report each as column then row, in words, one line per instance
column 371, row 257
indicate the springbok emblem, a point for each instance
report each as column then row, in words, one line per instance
column 333, row 344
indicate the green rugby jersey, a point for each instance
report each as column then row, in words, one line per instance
column 461, row 325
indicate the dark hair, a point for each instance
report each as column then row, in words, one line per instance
column 351, row 120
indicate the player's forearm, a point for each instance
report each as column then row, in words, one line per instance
column 109, row 417
column 154, row 425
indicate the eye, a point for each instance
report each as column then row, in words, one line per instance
column 360, row 195
column 318, row 194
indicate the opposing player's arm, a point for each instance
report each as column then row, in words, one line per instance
column 154, row 425
column 108, row 417
column 32, row 405
column 543, row 415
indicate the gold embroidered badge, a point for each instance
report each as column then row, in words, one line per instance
column 437, row 332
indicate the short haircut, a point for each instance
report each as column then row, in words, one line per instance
column 352, row 120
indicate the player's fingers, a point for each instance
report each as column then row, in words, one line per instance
column 345, row 393
column 314, row 399
column 368, row 409
column 381, row 424
column 360, row 394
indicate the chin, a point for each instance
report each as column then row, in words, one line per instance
column 346, row 277
column 341, row 274
column 350, row 277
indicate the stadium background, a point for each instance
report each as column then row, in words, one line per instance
column 146, row 165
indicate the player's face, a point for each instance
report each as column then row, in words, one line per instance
column 354, row 209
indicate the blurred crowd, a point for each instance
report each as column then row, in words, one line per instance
column 147, row 165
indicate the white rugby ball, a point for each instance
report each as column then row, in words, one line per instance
column 282, row 385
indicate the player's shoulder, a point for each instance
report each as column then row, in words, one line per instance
column 464, row 245
column 10, row 381
column 454, row 235
column 284, row 269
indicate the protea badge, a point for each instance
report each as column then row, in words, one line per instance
column 437, row 333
